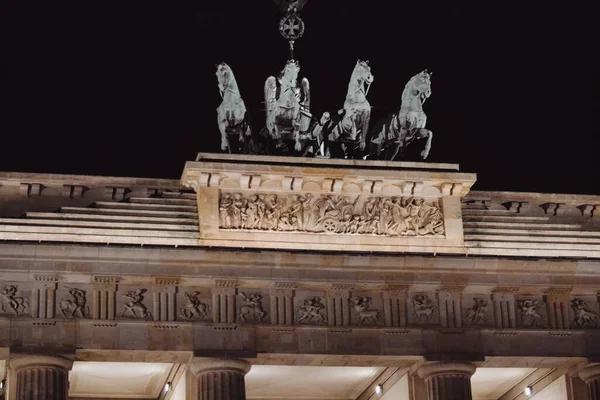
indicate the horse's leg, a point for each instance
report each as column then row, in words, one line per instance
column 297, row 125
column 422, row 133
column 364, row 130
column 224, row 140
column 392, row 149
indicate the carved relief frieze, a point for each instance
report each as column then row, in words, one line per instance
column 362, row 307
column 335, row 214
column 478, row 313
column 584, row 318
column 530, row 317
column 311, row 310
column 74, row 304
column 194, row 309
column 251, row 307
column 11, row 303
column 423, row 309
column 134, row 307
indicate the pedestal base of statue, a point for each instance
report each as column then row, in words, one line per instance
column 300, row 203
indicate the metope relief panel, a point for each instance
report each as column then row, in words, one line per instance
column 531, row 312
column 422, row 309
column 194, row 304
column 134, row 302
column 333, row 214
column 74, row 301
column 253, row 306
column 15, row 300
column 366, row 308
column 584, row 312
column 477, row 311
column 310, row 308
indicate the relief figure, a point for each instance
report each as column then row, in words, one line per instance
column 310, row 309
column 16, row 305
column 194, row 309
column 135, row 306
column 334, row 214
column 423, row 310
column 361, row 306
column 69, row 308
column 252, row 307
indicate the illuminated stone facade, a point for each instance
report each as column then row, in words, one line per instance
column 231, row 268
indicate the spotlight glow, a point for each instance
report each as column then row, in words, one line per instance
column 379, row 389
column 528, row 391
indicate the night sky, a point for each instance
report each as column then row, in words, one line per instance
column 129, row 89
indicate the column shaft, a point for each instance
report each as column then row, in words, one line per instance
column 591, row 376
column 449, row 388
column 448, row 381
column 594, row 389
column 221, row 385
column 42, row 383
column 219, row 379
column 39, row 377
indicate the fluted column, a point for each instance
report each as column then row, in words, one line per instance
column 448, row 381
column 591, row 376
column 39, row 377
column 219, row 379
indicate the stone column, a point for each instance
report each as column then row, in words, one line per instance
column 591, row 376
column 39, row 377
column 448, row 381
column 219, row 378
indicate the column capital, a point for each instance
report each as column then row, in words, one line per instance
column 590, row 372
column 200, row 365
column 446, row 369
column 19, row 361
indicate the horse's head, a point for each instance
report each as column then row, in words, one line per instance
column 362, row 72
column 289, row 73
column 224, row 77
column 422, row 83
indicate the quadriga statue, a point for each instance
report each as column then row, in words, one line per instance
column 232, row 117
column 347, row 134
column 392, row 135
column 288, row 106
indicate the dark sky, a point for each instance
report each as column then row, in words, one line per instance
column 128, row 88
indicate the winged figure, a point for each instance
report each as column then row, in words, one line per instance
column 288, row 109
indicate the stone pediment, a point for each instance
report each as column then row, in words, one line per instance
column 313, row 204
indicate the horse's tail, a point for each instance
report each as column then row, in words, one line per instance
column 247, row 124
